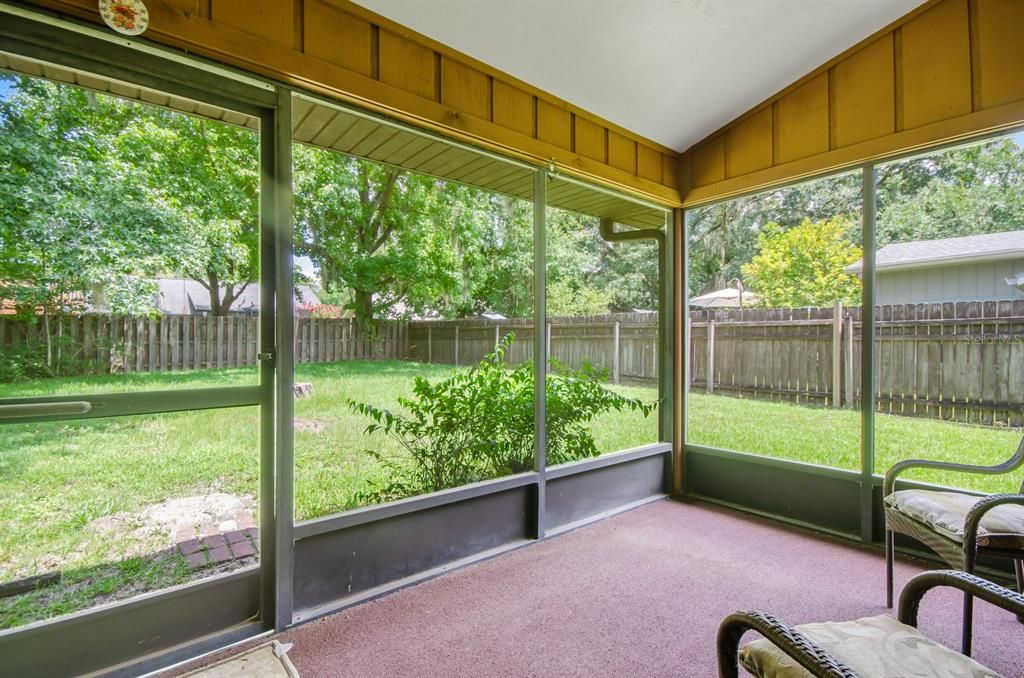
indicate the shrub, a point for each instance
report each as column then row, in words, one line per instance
column 478, row 423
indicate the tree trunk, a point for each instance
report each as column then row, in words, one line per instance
column 363, row 306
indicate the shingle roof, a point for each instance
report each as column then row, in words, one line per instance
column 947, row 251
column 181, row 295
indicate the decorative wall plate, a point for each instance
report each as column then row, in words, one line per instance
column 129, row 17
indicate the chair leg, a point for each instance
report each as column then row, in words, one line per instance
column 889, row 543
column 1018, row 568
column 965, row 640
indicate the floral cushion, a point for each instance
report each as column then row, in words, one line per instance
column 946, row 512
column 874, row 647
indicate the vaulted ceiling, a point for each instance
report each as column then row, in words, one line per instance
column 671, row 70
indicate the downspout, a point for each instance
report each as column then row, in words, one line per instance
column 666, row 353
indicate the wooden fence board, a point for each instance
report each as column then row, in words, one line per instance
column 962, row 362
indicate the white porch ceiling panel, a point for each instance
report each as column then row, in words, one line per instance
column 670, row 70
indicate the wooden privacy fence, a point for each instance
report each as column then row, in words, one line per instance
column 624, row 344
column 112, row 344
column 957, row 361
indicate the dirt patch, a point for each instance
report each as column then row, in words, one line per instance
column 180, row 519
column 310, row 425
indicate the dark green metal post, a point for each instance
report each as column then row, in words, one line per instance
column 666, row 332
column 268, row 324
column 867, row 375
column 284, row 465
column 540, row 346
column 680, row 314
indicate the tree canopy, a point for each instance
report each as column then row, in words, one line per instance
column 103, row 194
column 962, row 191
column 804, row 265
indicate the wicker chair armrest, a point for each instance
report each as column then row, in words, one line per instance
column 785, row 637
column 901, row 466
column 913, row 592
column 1010, row 464
column 973, row 521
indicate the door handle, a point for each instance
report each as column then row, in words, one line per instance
column 59, row 409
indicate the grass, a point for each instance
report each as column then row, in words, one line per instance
column 56, row 478
column 832, row 438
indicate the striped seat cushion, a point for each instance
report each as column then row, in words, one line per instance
column 874, row 647
column 946, row 512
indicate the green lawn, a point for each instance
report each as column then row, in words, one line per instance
column 56, row 478
column 832, row 438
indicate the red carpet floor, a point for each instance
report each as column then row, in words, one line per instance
column 639, row 594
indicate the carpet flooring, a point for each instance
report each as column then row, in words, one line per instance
column 638, row 594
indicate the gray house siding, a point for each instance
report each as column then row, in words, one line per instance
column 981, row 281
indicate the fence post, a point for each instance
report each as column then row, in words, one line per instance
column 615, row 355
column 849, row 361
column 456, row 345
column 430, row 344
column 548, row 348
column 711, row 357
column 497, row 334
column 405, row 339
column 837, row 353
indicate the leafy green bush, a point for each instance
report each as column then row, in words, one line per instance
column 478, row 424
column 23, row 362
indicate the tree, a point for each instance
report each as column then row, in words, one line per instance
column 804, row 265
column 208, row 172
column 629, row 271
column 374, row 230
column 129, row 191
column 964, row 191
column 73, row 216
column 725, row 236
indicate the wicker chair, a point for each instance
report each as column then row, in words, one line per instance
column 874, row 647
column 957, row 526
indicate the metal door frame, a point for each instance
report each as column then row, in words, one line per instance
column 197, row 616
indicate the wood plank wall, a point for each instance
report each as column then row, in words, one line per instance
column 948, row 70
column 337, row 48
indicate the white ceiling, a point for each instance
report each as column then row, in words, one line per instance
column 671, row 70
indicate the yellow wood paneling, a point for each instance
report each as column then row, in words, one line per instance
column 554, row 124
column 802, row 118
column 648, row 162
column 621, row 152
column 465, row 89
column 513, row 108
column 590, row 139
column 338, row 49
column 748, row 146
column 961, row 128
column 709, row 162
column 1000, row 68
column 407, row 65
column 338, row 37
column 188, row 6
column 946, row 71
column 670, row 170
column 271, row 20
column 863, row 99
column 936, row 60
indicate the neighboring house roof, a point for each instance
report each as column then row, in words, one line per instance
column 182, row 296
column 727, row 297
column 922, row 253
